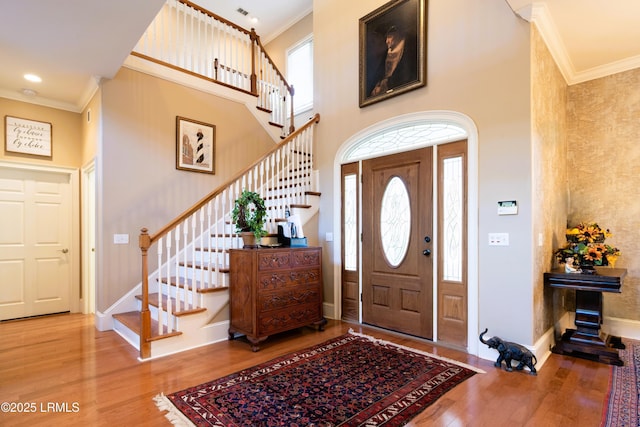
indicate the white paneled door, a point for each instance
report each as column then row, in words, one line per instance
column 35, row 242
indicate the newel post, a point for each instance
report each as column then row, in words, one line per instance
column 254, row 46
column 292, row 125
column 144, row 242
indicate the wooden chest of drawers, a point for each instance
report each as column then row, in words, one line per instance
column 274, row 290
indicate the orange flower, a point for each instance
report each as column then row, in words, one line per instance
column 594, row 253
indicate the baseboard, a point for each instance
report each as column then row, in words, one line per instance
column 624, row 328
column 329, row 310
column 103, row 322
column 542, row 347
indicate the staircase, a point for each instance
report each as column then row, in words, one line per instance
column 183, row 302
column 182, row 299
column 186, row 38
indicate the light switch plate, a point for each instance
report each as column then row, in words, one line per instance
column 120, row 239
column 498, row 239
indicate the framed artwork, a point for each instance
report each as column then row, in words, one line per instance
column 195, row 145
column 392, row 50
column 27, row 136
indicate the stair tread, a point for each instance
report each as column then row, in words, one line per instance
column 132, row 321
column 173, row 281
column 202, row 266
column 177, row 311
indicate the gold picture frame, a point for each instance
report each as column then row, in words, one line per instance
column 393, row 50
column 195, row 145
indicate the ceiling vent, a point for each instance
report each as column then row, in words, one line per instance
column 242, row 11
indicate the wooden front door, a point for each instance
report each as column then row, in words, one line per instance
column 397, row 224
column 35, row 237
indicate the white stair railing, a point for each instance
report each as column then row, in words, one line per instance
column 186, row 37
column 193, row 249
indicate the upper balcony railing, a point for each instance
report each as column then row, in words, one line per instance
column 186, row 37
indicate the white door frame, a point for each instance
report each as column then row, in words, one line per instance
column 435, row 117
column 74, row 247
column 89, row 238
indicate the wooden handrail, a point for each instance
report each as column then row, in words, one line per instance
column 153, row 238
column 255, row 74
column 214, row 16
column 145, row 240
column 252, row 35
column 259, row 43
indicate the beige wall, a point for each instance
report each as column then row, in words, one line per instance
column 66, row 137
column 139, row 185
column 91, row 125
column 604, row 172
column 479, row 65
column 549, row 159
column 277, row 48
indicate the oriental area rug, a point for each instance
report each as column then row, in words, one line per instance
column 351, row 380
column 621, row 407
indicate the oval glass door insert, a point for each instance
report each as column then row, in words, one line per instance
column 395, row 221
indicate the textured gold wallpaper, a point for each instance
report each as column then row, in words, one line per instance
column 603, row 157
column 549, row 155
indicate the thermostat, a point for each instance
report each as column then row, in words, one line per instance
column 508, row 207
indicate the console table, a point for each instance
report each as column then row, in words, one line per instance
column 587, row 341
column 273, row 290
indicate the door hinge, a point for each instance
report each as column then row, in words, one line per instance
column 361, row 237
column 360, row 297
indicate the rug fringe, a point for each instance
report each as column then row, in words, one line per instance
column 174, row 415
column 425, row 353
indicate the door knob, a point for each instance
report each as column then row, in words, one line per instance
column 426, row 252
column 64, row 251
column 427, row 239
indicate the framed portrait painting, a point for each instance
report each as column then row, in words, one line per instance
column 195, row 145
column 392, row 50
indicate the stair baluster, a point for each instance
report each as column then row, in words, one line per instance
column 188, row 37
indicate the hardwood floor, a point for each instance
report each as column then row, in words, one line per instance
column 68, row 373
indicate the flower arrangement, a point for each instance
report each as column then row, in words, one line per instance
column 586, row 247
column 249, row 213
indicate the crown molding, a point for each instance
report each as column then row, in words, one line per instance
column 537, row 12
column 38, row 100
column 605, row 70
column 541, row 17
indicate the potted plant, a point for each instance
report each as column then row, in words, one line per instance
column 586, row 249
column 249, row 215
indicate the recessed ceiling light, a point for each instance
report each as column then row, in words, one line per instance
column 29, row 92
column 33, row 78
column 254, row 20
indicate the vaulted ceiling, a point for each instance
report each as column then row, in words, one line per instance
column 72, row 44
